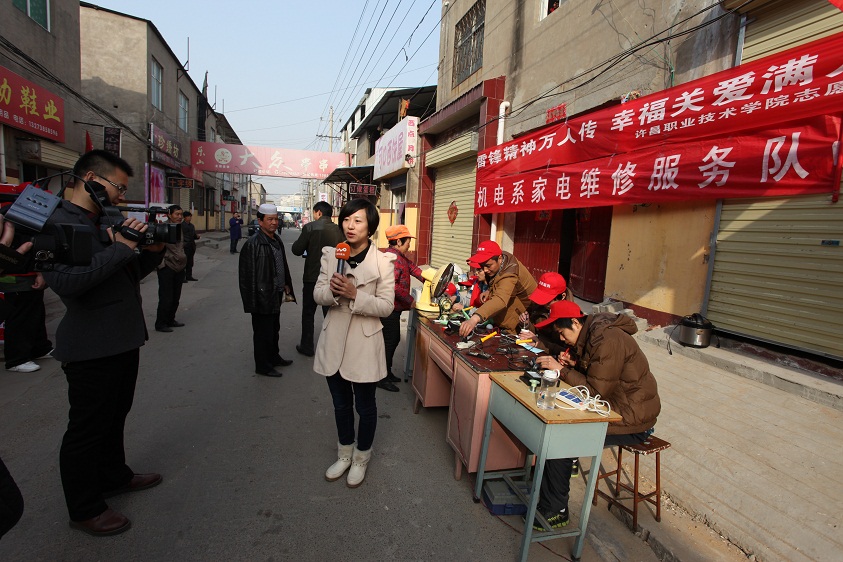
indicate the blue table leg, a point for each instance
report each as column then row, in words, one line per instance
column 484, row 450
column 541, row 456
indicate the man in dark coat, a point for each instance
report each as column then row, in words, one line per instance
column 235, row 232
column 315, row 235
column 607, row 361
column 190, row 237
column 171, row 277
column 264, row 282
column 98, row 343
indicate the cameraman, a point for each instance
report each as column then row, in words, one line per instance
column 98, row 342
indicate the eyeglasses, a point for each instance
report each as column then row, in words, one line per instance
column 120, row 188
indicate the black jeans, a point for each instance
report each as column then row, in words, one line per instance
column 234, row 245
column 11, row 501
column 265, row 330
column 92, row 459
column 347, row 397
column 308, row 309
column 556, row 480
column 391, row 336
column 169, row 294
column 26, row 329
column 189, row 251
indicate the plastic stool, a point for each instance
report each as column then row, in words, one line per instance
column 652, row 445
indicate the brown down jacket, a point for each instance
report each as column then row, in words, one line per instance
column 612, row 365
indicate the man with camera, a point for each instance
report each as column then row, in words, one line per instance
column 171, row 277
column 98, row 342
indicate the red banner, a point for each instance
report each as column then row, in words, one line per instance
column 265, row 161
column 30, row 107
column 731, row 124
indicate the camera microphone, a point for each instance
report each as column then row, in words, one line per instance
column 342, row 254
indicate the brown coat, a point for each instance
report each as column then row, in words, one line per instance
column 612, row 365
column 509, row 294
column 351, row 341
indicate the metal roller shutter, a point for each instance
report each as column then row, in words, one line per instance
column 452, row 242
column 781, row 25
column 777, row 272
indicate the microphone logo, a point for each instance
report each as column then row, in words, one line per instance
column 342, row 254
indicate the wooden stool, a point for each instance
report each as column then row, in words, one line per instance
column 652, row 445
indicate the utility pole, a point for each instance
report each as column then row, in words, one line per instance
column 331, row 133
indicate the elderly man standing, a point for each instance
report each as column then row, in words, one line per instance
column 264, row 281
column 510, row 286
column 315, row 235
column 171, row 277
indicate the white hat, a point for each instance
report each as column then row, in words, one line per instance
column 268, row 209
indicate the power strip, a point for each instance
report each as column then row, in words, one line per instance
column 570, row 399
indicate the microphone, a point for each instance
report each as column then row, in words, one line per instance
column 343, row 251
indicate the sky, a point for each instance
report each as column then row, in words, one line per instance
column 275, row 67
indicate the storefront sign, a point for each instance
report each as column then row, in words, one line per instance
column 765, row 128
column 264, row 160
column 29, row 107
column 396, row 150
column 112, row 137
column 165, row 148
column 556, row 113
column 362, row 189
column 177, row 182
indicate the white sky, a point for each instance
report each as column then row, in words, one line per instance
column 274, row 67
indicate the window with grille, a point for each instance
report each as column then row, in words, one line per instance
column 468, row 42
column 184, row 103
column 38, row 10
column 155, row 82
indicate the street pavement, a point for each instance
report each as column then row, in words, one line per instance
column 243, row 458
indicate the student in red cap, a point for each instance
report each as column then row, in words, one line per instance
column 608, row 362
column 510, row 286
column 551, row 288
column 399, row 242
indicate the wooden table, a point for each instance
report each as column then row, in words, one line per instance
column 446, row 376
column 549, row 434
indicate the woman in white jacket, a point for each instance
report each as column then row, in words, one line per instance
column 351, row 352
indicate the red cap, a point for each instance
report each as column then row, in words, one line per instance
column 561, row 309
column 485, row 251
column 451, row 290
column 550, row 286
column 343, row 251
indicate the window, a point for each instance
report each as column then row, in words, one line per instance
column 38, row 10
column 183, row 111
column 468, row 42
column 548, row 7
column 155, row 83
column 213, row 137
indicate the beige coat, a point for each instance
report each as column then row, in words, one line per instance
column 351, row 342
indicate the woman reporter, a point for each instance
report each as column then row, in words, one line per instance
column 351, row 352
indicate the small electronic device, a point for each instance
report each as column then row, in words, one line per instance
column 534, row 374
column 571, row 399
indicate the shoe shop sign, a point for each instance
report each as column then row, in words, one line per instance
column 768, row 128
column 29, row 107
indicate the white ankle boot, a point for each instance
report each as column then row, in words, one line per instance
column 336, row 470
column 359, row 460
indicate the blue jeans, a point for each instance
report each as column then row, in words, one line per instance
column 347, row 397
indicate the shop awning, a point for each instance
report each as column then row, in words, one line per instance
column 765, row 128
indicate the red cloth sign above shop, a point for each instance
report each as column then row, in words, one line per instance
column 29, row 107
column 264, row 160
column 766, row 128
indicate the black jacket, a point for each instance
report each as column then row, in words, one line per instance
column 257, row 275
column 314, row 236
column 104, row 314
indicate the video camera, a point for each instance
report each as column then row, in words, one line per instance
column 68, row 244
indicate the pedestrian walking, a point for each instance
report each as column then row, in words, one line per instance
column 350, row 351
column 235, row 230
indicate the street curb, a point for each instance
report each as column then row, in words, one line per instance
column 805, row 384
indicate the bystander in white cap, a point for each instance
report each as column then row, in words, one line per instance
column 268, row 209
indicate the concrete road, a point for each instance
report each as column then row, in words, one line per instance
column 243, row 457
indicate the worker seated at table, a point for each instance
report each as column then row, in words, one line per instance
column 551, row 288
column 510, row 285
column 607, row 361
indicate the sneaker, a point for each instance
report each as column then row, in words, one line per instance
column 27, row 367
column 556, row 521
column 575, row 468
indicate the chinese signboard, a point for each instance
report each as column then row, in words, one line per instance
column 177, row 182
column 30, row 107
column 362, row 189
column 264, row 160
column 765, row 128
column 556, row 113
column 166, row 149
column 396, row 150
column 111, row 139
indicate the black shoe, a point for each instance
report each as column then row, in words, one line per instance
column 175, row 324
column 163, row 329
column 270, row 373
column 191, row 279
column 386, row 385
column 185, row 281
column 303, row 352
column 281, row 362
column 556, row 520
column 392, row 378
